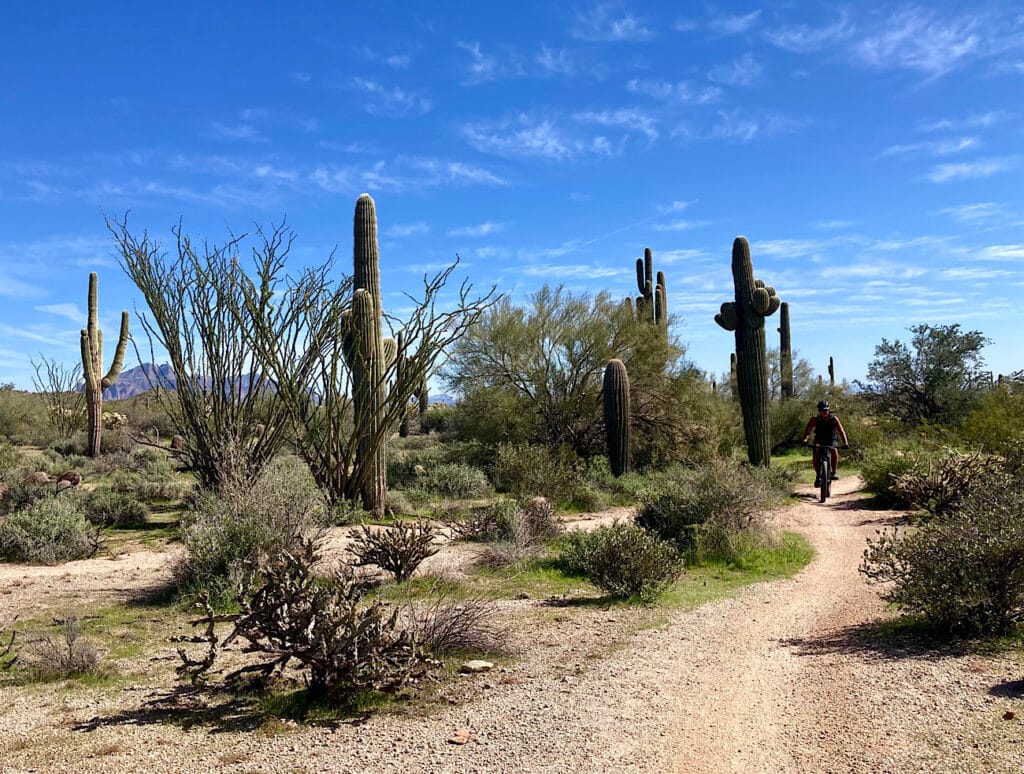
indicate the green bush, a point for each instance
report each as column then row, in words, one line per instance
column 701, row 513
column 49, row 531
column 453, row 480
column 963, row 574
column 996, row 422
column 75, row 445
column 939, row 484
column 246, row 520
column 526, row 471
column 880, row 466
column 113, row 509
column 623, row 559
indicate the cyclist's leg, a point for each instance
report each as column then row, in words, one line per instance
column 814, row 461
column 835, row 461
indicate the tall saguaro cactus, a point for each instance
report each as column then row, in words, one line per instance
column 831, row 372
column 785, row 352
column 367, row 354
column 745, row 316
column 616, row 416
column 652, row 303
column 92, row 365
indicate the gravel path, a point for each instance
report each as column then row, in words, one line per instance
column 784, row 677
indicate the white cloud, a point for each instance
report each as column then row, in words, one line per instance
column 630, row 119
column 937, row 148
column 834, row 224
column 480, row 229
column 973, row 213
column 393, row 102
column 402, row 230
column 804, row 38
column 680, row 225
column 245, row 132
column 944, row 173
column 917, row 39
column 977, row 121
column 404, row 173
column 744, row 71
column 560, row 62
column 603, row 24
column 525, row 136
column 680, row 92
column 1001, row 253
column 734, row 24
column 68, row 311
column 481, row 68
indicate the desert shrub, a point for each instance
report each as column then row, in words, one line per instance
column 702, row 512
column 453, row 480
column 962, row 574
column 104, row 508
column 10, row 458
column 398, row 549
column 289, row 614
column 880, row 466
column 525, row 471
column 17, row 494
column 437, row 419
column 623, row 559
column 939, row 485
column 117, row 439
column 73, row 445
column 996, row 422
column 244, row 520
column 788, row 418
column 48, row 531
column 59, row 657
column 150, row 479
column 446, row 621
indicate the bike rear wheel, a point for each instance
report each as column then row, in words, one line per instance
column 825, row 474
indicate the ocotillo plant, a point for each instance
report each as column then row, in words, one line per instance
column 616, row 416
column 745, row 316
column 92, row 365
column 652, row 303
column 785, row 352
column 403, row 425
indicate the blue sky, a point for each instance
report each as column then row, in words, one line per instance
column 872, row 153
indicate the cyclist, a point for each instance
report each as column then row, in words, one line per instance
column 828, row 431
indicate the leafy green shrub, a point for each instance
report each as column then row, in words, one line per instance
column 52, row 530
column 964, row 573
column 398, row 549
column 880, row 466
column 437, row 419
column 245, row 520
column 623, row 559
column 996, row 422
column 76, row 444
column 701, row 513
column 10, row 458
column 526, row 471
column 150, row 480
column 104, row 508
column 453, row 480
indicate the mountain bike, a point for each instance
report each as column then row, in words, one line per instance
column 824, row 471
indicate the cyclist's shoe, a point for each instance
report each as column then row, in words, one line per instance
column 834, row 477
column 817, row 480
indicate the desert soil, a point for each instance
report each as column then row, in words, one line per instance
column 787, row 676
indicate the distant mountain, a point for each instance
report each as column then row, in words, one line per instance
column 138, row 380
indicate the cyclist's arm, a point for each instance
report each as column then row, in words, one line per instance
column 809, row 429
column 842, row 432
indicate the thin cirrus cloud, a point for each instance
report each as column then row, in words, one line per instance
column 603, row 24
column 403, row 230
column 918, row 39
column 402, row 174
column 479, row 230
column 734, row 24
column 745, row 71
column 974, row 213
column 678, row 92
column 68, row 311
column 393, row 102
column 631, row 120
column 236, row 132
column 938, row 148
column 976, row 121
column 969, row 170
column 526, row 137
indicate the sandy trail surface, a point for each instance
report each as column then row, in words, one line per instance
column 787, row 676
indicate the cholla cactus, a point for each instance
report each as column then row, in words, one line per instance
column 745, row 316
column 92, row 365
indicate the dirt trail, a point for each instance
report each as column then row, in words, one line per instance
column 785, row 677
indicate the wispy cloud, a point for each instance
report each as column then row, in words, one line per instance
column 680, row 225
column 526, row 136
column 393, row 102
column 403, row 230
column 481, row 68
column 975, row 213
column 479, row 230
column 805, row 38
column 68, row 311
column 395, row 60
column 919, row 39
column 629, row 119
column 15, row 288
column 831, row 225
column 937, row 148
column 740, row 126
column 676, row 206
column 944, row 173
column 1001, row 253
column 679, row 92
column 744, row 71
column 976, row 121
column 557, row 62
column 404, row 173
column 734, row 24
column 243, row 131
column 604, row 23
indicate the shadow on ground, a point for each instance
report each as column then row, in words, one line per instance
column 884, row 640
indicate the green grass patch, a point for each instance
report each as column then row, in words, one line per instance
column 300, row 706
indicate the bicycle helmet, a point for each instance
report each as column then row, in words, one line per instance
column 823, row 405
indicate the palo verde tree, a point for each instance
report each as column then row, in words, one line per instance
column 936, row 378
column 224, row 404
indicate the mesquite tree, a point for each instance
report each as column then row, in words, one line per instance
column 92, row 365
column 745, row 316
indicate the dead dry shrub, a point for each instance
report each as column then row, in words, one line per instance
column 61, row 656
column 445, row 622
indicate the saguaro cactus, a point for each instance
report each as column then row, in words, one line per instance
column 92, row 365
column 652, row 302
column 745, row 316
column 732, row 377
column 423, row 396
column 785, row 352
column 831, row 372
column 367, row 354
column 616, row 416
